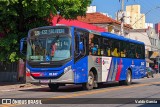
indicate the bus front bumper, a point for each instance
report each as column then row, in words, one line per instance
column 67, row 77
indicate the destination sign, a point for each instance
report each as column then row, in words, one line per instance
column 49, row 31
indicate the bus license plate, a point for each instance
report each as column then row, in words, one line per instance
column 44, row 81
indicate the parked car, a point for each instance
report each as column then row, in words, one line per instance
column 149, row 72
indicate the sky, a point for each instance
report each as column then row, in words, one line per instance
column 148, row 7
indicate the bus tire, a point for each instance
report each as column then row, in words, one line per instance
column 128, row 80
column 53, row 87
column 121, row 82
column 90, row 84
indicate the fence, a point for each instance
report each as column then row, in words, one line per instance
column 8, row 72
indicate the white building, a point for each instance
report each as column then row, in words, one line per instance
column 147, row 25
column 91, row 9
column 127, row 17
column 132, row 16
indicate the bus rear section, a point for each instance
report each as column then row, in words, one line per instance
column 115, row 58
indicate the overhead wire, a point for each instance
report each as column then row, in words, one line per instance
column 150, row 10
column 149, row 5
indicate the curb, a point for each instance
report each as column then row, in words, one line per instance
column 15, row 87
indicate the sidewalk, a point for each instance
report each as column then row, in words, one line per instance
column 6, row 86
column 16, row 86
column 156, row 75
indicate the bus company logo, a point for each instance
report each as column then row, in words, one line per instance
column 98, row 60
column 132, row 62
column 142, row 63
column 53, row 74
column 103, row 62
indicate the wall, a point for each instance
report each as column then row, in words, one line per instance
column 8, row 72
column 137, row 20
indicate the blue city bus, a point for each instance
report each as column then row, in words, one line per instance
column 59, row 55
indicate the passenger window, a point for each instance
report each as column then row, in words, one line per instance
column 123, row 49
column 132, row 53
column 94, row 47
column 115, row 50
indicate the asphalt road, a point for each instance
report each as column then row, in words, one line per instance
column 106, row 95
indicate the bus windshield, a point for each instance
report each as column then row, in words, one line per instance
column 54, row 48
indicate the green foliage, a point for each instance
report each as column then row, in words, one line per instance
column 18, row 16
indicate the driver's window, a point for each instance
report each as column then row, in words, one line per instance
column 83, row 40
column 76, row 43
column 80, row 37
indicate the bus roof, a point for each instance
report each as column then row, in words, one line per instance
column 105, row 34
column 114, row 36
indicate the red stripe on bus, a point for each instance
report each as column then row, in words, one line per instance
column 36, row 74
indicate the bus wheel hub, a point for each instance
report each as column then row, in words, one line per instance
column 90, row 80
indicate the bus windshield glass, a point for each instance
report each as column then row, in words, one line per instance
column 51, row 48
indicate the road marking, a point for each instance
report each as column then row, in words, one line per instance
column 94, row 92
column 104, row 90
column 8, row 105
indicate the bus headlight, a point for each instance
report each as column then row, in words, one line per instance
column 67, row 69
column 27, row 70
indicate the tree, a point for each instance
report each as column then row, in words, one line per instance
column 18, row 16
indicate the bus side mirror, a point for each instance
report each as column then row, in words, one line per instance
column 81, row 47
column 23, row 44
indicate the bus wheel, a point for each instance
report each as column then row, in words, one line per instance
column 121, row 82
column 53, row 87
column 128, row 80
column 90, row 84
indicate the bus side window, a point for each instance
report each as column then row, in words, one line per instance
column 94, row 48
column 76, row 44
column 109, row 47
column 77, row 41
column 123, row 49
column 81, row 36
column 139, row 51
column 142, row 52
column 105, row 47
column 136, row 51
column 91, row 45
column 83, row 40
column 115, row 50
column 132, row 53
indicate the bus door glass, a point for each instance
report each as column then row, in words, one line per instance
column 80, row 44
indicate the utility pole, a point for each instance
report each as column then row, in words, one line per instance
column 122, row 18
